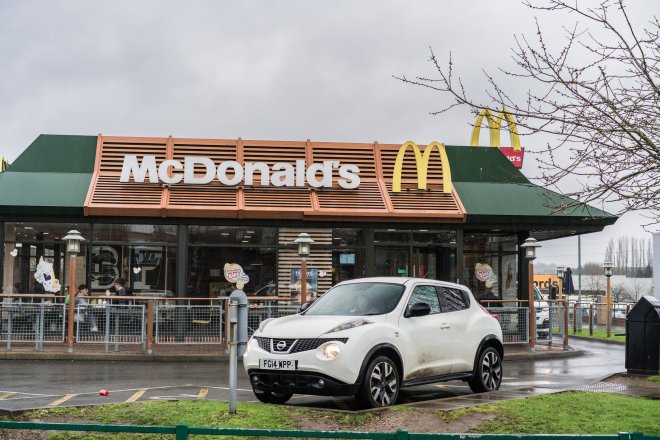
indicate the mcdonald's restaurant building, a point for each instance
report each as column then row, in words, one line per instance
column 166, row 214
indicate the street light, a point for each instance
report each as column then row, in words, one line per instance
column 304, row 242
column 607, row 267
column 529, row 247
column 73, row 239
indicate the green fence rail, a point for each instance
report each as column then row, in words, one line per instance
column 182, row 432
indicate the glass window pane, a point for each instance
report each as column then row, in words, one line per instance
column 434, row 237
column 206, row 271
column 452, row 299
column 391, row 236
column 425, row 294
column 392, row 262
column 240, row 235
column 27, row 231
column 347, row 237
column 133, row 233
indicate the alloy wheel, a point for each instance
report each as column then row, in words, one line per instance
column 383, row 383
column 491, row 370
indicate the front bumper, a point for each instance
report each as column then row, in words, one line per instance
column 300, row 382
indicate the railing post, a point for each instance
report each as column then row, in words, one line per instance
column 565, row 324
column 575, row 307
column 40, row 328
column 401, row 434
column 181, row 432
column 591, row 319
column 11, row 312
column 150, row 326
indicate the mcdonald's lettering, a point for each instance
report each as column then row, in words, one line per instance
column 422, row 164
column 515, row 153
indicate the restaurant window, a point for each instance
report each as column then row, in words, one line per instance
column 134, row 233
column 148, row 269
column 231, row 235
column 206, row 270
column 33, row 248
column 491, row 265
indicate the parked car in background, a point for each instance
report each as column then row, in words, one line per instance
column 541, row 314
column 370, row 337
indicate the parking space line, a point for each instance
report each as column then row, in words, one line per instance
column 7, row 395
column 136, row 395
column 202, row 393
column 62, row 400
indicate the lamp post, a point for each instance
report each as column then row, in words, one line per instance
column 530, row 246
column 607, row 267
column 561, row 270
column 304, row 242
column 73, row 239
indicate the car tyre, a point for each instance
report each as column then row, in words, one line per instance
column 488, row 372
column 380, row 385
column 274, row 397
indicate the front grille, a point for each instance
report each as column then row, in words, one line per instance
column 293, row 345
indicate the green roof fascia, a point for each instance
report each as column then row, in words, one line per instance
column 51, row 153
column 524, row 200
column 43, row 193
column 481, row 164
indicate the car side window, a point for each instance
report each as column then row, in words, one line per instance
column 452, row 299
column 428, row 295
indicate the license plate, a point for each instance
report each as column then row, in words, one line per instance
column 278, row 364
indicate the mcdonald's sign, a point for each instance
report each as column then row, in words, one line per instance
column 515, row 153
column 3, row 164
column 422, row 164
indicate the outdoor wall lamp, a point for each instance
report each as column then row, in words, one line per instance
column 73, row 239
column 530, row 246
column 304, row 242
column 560, row 272
column 607, row 267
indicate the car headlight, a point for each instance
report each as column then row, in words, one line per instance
column 350, row 324
column 264, row 323
column 331, row 350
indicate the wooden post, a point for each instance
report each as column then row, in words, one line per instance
column 609, row 307
column 591, row 319
column 303, row 281
column 72, row 301
column 575, row 308
column 532, row 318
column 150, row 326
column 565, row 303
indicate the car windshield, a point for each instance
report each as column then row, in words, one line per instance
column 358, row 299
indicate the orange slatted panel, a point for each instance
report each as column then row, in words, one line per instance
column 367, row 196
column 283, row 198
column 374, row 198
column 361, row 155
column 213, row 194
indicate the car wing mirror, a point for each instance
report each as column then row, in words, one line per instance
column 418, row 309
column 304, row 306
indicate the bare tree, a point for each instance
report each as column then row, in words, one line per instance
column 598, row 96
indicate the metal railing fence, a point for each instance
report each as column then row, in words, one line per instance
column 183, row 432
column 514, row 322
column 189, row 324
column 31, row 322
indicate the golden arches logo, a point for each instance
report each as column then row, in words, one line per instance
column 422, row 163
column 495, row 126
column 3, row 164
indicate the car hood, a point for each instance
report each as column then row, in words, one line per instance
column 311, row 326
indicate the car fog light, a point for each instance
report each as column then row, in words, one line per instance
column 331, row 350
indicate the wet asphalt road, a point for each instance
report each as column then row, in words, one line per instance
column 39, row 384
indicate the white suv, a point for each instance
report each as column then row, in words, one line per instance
column 369, row 337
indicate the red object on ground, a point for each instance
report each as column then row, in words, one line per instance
column 104, row 393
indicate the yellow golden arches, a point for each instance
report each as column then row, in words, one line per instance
column 495, row 124
column 422, row 164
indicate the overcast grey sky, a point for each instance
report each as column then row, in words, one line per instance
column 260, row 70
